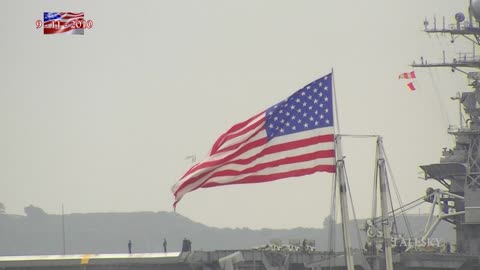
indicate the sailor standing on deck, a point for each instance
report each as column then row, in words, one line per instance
column 165, row 245
column 130, row 246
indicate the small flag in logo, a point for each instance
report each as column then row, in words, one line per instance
column 63, row 23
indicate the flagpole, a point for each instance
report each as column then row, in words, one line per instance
column 342, row 188
column 336, row 122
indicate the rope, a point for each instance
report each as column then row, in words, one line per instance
column 436, row 91
column 332, row 223
column 359, row 239
column 397, row 193
column 358, row 136
column 421, row 199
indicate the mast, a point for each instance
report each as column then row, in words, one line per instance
column 342, row 190
column 342, row 187
column 63, row 230
column 387, row 239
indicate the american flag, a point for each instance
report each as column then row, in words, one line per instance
column 61, row 22
column 292, row 138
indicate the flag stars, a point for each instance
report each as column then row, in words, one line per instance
column 291, row 115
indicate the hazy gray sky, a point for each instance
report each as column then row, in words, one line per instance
column 103, row 122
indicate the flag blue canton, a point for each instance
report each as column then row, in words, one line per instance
column 308, row 108
column 50, row 16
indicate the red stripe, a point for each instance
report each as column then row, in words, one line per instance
column 71, row 15
column 275, row 176
column 279, row 162
column 235, row 146
column 269, row 177
column 212, row 164
column 245, row 129
column 221, row 140
column 269, row 150
column 247, row 147
column 284, row 147
column 271, row 164
column 412, row 75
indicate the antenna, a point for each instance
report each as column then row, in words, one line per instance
column 193, row 157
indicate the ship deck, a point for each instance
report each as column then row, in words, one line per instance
column 230, row 259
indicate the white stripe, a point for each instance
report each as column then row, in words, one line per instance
column 278, row 169
column 277, row 140
column 252, row 152
column 261, row 160
column 276, row 156
column 256, row 150
column 270, row 157
column 245, row 136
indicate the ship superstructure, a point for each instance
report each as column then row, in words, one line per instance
column 459, row 168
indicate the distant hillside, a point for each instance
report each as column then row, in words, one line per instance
column 39, row 233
